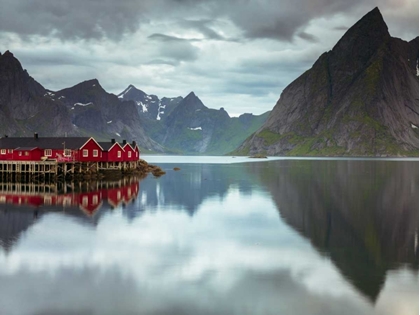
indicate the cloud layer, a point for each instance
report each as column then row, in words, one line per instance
column 236, row 54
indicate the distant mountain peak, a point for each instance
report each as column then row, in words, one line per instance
column 130, row 89
column 8, row 62
column 367, row 34
column 191, row 100
column 91, row 84
column 191, row 95
column 92, row 81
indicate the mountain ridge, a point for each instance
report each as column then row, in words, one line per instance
column 360, row 99
column 87, row 109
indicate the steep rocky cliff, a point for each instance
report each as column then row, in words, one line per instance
column 360, row 99
column 25, row 106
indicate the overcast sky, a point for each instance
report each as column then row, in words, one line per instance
column 236, row 54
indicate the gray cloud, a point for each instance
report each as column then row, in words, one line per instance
column 76, row 19
column 222, row 50
column 91, row 19
column 308, row 37
column 175, row 48
column 162, row 62
column 203, row 27
column 167, row 38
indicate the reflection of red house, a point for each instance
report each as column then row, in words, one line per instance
column 125, row 194
column 89, row 202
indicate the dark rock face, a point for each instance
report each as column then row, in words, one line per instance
column 101, row 114
column 360, row 98
column 150, row 106
column 25, row 106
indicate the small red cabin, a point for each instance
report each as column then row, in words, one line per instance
column 90, row 151
column 113, row 151
column 27, row 154
column 129, row 152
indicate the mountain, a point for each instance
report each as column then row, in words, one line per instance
column 149, row 106
column 26, row 106
column 85, row 109
column 180, row 125
column 186, row 125
column 101, row 114
column 360, row 99
column 193, row 128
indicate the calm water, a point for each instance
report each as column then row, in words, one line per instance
column 270, row 237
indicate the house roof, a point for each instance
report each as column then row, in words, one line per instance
column 25, row 148
column 43, row 142
column 108, row 145
column 127, row 144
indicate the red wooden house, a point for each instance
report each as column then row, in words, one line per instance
column 90, row 151
column 25, row 154
column 136, row 150
column 112, row 151
column 61, row 149
column 129, row 152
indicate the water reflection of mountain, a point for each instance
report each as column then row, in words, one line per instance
column 188, row 188
column 363, row 214
column 22, row 204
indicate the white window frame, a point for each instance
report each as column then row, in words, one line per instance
column 10, row 151
column 129, row 154
column 85, row 200
column 47, row 200
column 95, row 153
column 48, row 152
column 66, row 201
column 95, row 199
column 119, row 154
column 85, row 153
column 3, row 151
column 67, row 152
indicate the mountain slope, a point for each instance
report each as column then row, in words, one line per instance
column 26, row 106
column 149, row 106
column 194, row 128
column 85, row 109
column 101, row 114
column 360, row 98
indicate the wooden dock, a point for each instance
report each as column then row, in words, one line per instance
column 51, row 170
